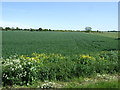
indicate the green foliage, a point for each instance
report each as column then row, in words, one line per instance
column 40, row 29
column 7, row 28
column 26, row 69
column 88, row 29
column 59, row 55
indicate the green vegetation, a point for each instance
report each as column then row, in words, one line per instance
column 98, row 81
column 88, row 29
column 32, row 57
column 23, row 70
column 98, row 84
column 66, row 43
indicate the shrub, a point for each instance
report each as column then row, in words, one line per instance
column 23, row 70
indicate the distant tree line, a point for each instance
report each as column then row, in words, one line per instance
column 113, row 31
column 87, row 30
column 20, row 29
column 31, row 29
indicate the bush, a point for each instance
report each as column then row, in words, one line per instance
column 24, row 70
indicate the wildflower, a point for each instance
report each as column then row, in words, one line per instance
column 12, row 69
column 32, row 58
column 87, row 57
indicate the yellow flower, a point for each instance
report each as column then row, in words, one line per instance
column 87, row 57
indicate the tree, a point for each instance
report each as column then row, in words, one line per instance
column 12, row 28
column 88, row 29
column 40, row 29
column 50, row 30
column 7, row 28
column 17, row 28
column 31, row 29
column 1, row 28
column 45, row 29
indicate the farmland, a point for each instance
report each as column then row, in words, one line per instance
column 66, row 43
column 40, row 57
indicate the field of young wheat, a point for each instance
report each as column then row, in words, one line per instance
column 28, row 57
column 66, row 43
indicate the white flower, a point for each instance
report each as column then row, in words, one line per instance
column 12, row 69
column 20, row 66
column 11, row 62
column 17, row 60
column 29, row 62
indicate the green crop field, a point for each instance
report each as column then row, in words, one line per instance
column 66, row 43
column 36, row 59
column 51, row 45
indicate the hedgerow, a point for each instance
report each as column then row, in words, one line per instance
column 26, row 69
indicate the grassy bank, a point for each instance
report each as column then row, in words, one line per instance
column 96, row 81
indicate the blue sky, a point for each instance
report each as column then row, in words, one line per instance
column 61, row 15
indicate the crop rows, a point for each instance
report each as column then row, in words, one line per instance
column 66, row 43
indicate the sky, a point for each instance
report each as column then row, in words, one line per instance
column 101, row 16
